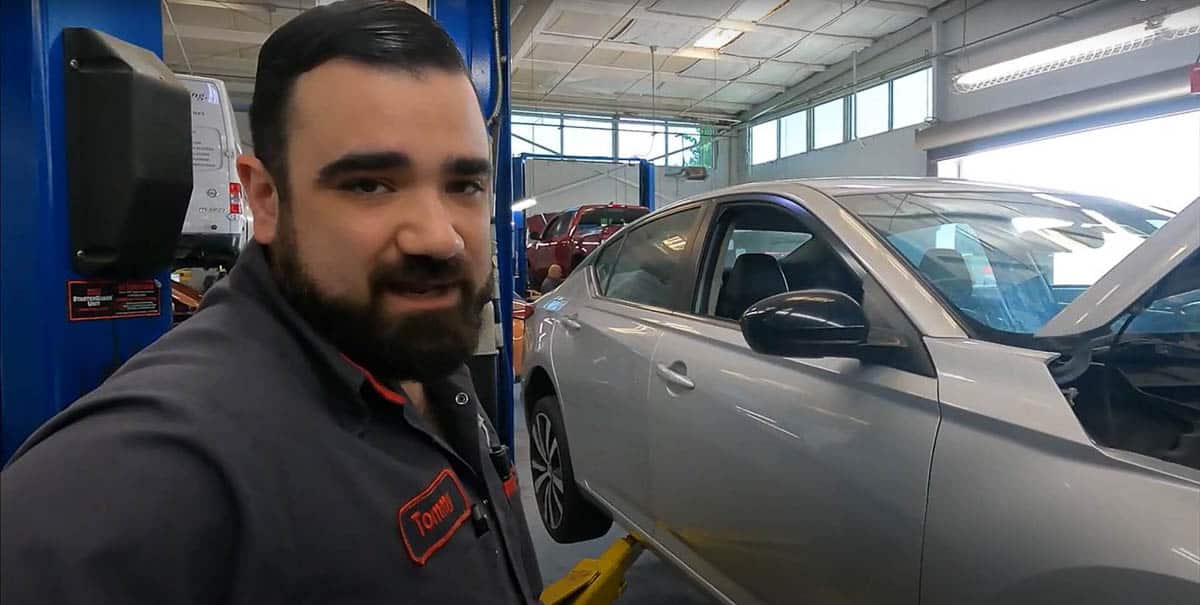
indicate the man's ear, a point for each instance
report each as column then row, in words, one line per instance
column 263, row 196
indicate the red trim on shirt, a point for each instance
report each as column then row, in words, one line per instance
column 510, row 484
column 379, row 387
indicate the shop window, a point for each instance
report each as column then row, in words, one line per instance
column 829, row 123
column 793, row 134
column 764, row 142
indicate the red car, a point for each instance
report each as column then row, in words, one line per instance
column 573, row 234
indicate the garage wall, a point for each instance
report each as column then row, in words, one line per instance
column 888, row 154
column 914, row 46
column 996, row 16
column 554, row 185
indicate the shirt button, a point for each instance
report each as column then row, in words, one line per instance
column 461, row 399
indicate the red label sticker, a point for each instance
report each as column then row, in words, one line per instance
column 106, row 299
column 430, row 519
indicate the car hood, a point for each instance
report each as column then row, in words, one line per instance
column 1127, row 283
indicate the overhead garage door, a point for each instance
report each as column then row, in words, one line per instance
column 1138, row 141
column 1150, row 162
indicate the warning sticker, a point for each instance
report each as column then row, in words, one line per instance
column 104, row 299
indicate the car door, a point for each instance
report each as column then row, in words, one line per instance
column 541, row 253
column 602, row 347
column 789, row 480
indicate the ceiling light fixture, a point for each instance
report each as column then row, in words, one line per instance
column 1116, row 42
column 717, row 37
column 524, row 204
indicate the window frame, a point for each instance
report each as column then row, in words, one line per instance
column 775, row 157
column 915, row 358
column 682, row 290
column 845, row 123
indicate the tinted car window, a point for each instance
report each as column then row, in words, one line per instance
column 651, row 263
column 760, row 251
column 559, row 226
column 1008, row 261
column 591, row 221
column 602, row 263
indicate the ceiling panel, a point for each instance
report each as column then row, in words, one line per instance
column 742, row 93
column 755, row 10
column 723, row 70
column 557, row 52
column 658, row 33
column 580, row 81
column 820, row 50
column 583, row 24
column 778, row 73
column 804, row 14
column 699, row 8
column 869, row 22
column 679, row 88
column 757, row 44
column 526, row 78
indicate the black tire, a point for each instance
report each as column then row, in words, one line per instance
column 566, row 513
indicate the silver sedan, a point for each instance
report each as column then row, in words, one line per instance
column 883, row 391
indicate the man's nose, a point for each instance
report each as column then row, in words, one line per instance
column 427, row 228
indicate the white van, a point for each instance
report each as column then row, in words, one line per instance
column 218, row 223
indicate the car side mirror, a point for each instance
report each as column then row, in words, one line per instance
column 806, row 323
column 534, row 236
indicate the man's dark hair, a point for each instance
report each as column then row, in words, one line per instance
column 387, row 33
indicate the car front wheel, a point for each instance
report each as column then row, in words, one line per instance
column 566, row 513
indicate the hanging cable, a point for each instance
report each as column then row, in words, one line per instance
column 175, row 32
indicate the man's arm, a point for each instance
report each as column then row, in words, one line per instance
column 116, row 506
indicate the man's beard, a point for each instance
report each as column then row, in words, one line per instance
column 420, row 346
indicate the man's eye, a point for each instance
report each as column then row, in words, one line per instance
column 365, row 187
column 465, row 187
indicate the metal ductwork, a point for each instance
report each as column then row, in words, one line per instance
column 1159, row 94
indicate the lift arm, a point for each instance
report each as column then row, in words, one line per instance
column 596, row 581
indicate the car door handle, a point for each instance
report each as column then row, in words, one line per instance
column 570, row 322
column 674, row 377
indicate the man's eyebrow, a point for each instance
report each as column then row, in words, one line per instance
column 363, row 162
column 468, row 166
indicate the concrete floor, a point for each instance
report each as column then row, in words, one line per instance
column 650, row 580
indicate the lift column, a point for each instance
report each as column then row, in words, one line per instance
column 47, row 361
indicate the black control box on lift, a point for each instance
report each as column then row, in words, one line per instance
column 129, row 156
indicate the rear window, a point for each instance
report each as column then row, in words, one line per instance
column 598, row 218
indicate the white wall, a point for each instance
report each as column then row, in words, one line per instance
column 888, row 154
column 893, row 153
column 561, row 185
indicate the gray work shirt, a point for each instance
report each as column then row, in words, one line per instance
column 242, row 459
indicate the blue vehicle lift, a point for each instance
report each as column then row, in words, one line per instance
column 519, row 264
column 47, row 362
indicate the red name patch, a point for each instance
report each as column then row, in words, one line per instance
column 430, row 519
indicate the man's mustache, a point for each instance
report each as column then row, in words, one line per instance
column 422, row 272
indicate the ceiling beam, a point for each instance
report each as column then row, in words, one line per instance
column 596, row 7
column 629, row 104
column 642, row 71
column 197, row 32
column 664, row 52
column 535, row 15
column 900, row 8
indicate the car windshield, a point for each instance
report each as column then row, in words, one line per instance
column 592, row 221
column 1008, row 261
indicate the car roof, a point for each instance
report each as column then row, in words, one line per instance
column 835, row 187
column 611, row 205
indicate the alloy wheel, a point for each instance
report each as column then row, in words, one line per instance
column 547, row 471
